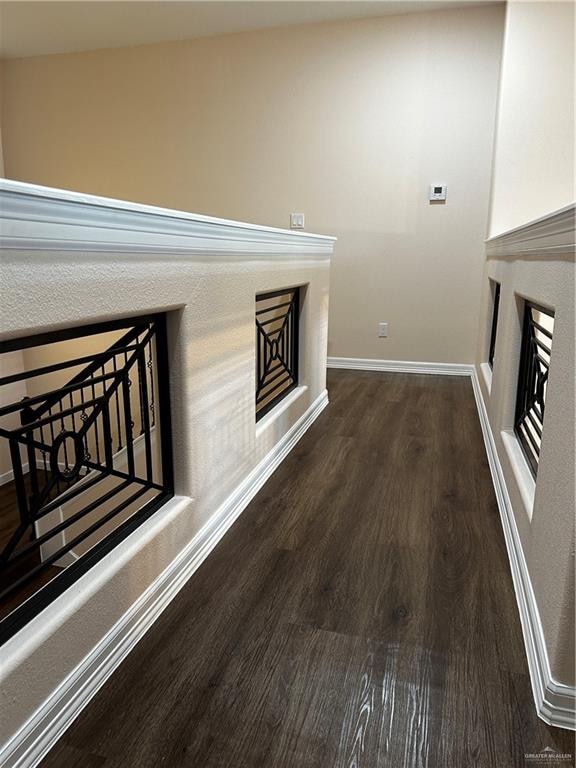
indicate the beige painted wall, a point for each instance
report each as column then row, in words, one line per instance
column 348, row 122
column 1, row 146
column 534, row 158
column 533, row 177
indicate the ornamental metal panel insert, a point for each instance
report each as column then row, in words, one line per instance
column 495, row 287
column 86, row 447
column 535, row 356
column 277, row 316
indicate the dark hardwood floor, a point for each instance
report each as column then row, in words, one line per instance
column 359, row 614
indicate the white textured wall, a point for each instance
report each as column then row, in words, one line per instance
column 546, row 527
column 534, row 158
column 216, row 442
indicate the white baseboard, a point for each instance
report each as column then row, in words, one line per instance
column 7, row 477
column 555, row 702
column 400, row 366
column 32, row 742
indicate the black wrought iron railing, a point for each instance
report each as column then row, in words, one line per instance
column 89, row 443
column 495, row 287
column 535, row 358
column 277, row 331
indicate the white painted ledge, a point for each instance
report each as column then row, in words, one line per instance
column 487, row 376
column 524, row 479
column 282, row 407
column 33, row 217
column 550, row 235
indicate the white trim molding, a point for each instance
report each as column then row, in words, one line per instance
column 33, row 217
column 37, row 736
column 555, row 702
column 400, row 366
column 551, row 235
column 8, row 476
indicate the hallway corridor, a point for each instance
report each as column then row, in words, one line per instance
column 359, row 614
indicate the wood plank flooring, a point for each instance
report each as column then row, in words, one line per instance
column 359, row 614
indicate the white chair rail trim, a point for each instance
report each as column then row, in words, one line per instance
column 33, row 217
column 551, row 235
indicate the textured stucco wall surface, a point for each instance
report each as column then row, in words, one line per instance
column 216, row 442
column 547, row 529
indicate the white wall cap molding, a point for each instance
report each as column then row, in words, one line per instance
column 33, row 217
column 550, row 235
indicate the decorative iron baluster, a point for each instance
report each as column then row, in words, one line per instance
column 96, row 432
column 117, row 401
column 276, row 347
column 150, row 367
column 535, row 359
column 90, row 494
column 128, row 423
column 144, row 414
column 43, row 451
column 53, row 438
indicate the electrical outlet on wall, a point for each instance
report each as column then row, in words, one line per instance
column 382, row 330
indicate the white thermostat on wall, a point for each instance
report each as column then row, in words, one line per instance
column 438, row 191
